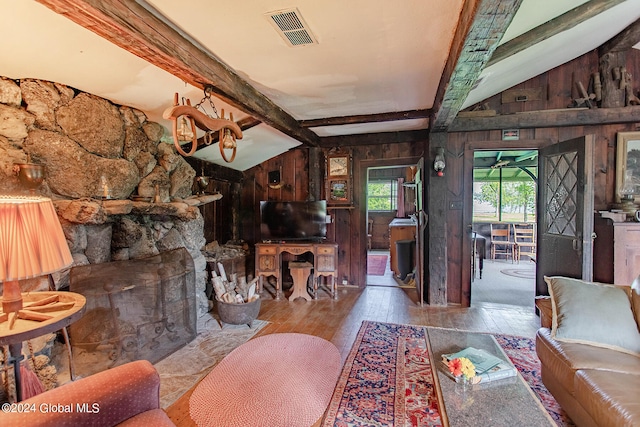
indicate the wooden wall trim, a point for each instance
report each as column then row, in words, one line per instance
column 436, row 292
column 521, row 144
column 548, row 119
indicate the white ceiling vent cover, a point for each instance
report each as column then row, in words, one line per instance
column 291, row 27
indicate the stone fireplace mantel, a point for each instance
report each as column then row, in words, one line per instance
column 93, row 211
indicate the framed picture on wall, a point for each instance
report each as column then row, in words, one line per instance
column 338, row 191
column 338, row 178
column 628, row 166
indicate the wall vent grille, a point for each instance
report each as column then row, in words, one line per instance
column 291, row 27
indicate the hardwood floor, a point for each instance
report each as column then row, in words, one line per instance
column 339, row 321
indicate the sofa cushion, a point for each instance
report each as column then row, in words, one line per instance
column 592, row 313
column 563, row 359
column 610, row 398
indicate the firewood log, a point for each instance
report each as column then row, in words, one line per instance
column 218, row 287
column 223, row 274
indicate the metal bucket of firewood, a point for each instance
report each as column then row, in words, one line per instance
column 239, row 314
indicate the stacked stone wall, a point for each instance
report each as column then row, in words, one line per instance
column 92, row 150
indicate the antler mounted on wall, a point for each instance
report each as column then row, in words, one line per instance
column 191, row 117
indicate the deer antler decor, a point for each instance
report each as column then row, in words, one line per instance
column 191, row 117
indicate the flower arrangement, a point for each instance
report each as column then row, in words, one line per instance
column 462, row 368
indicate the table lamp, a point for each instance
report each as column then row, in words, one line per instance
column 32, row 244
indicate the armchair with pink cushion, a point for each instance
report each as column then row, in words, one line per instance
column 127, row 395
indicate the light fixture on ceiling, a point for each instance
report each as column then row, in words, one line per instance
column 500, row 164
column 186, row 118
column 227, row 141
column 186, row 130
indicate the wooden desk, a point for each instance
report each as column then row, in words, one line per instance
column 325, row 263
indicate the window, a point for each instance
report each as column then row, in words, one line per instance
column 382, row 195
column 504, row 185
column 506, row 201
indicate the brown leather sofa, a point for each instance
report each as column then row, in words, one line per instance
column 590, row 356
column 595, row 386
column 127, row 395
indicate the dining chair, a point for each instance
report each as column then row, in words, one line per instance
column 502, row 242
column 525, row 241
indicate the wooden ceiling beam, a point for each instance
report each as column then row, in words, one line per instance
column 141, row 31
column 374, row 138
column 545, row 119
column 624, row 41
column 481, row 25
column 366, row 118
column 551, row 28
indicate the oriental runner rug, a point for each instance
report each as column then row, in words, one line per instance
column 387, row 379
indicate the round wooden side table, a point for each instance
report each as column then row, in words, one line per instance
column 57, row 309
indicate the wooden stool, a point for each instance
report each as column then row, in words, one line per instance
column 300, row 272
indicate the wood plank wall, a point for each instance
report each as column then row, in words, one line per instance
column 348, row 227
column 221, row 221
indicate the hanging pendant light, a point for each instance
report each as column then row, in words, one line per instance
column 185, row 119
column 227, row 141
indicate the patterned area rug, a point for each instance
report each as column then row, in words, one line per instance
column 276, row 380
column 376, row 265
column 523, row 273
column 387, row 379
column 522, row 352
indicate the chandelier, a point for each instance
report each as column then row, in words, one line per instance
column 187, row 118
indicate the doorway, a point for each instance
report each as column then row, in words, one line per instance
column 391, row 199
column 504, row 235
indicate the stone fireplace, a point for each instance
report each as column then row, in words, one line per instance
column 121, row 191
column 104, row 165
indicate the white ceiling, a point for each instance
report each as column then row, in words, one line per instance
column 372, row 56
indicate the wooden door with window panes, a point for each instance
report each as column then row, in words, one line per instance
column 565, row 211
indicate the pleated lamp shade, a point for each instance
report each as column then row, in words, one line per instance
column 32, row 243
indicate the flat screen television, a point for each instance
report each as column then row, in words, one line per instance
column 295, row 220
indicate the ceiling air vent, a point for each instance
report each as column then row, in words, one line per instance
column 291, row 27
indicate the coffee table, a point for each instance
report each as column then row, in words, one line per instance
column 506, row 402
